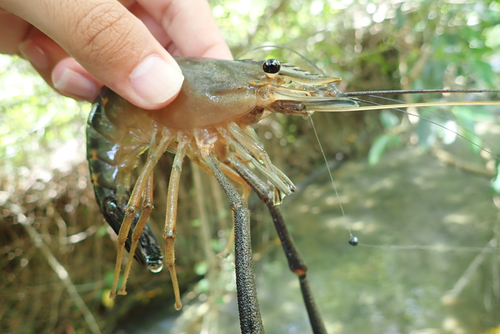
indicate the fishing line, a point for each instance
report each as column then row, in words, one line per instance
column 353, row 240
column 436, row 248
column 377, row 106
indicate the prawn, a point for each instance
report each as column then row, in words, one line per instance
column 210, row 122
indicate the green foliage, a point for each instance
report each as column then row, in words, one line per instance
column 380, row 145
column 37, row 126
column 373, row 45
column 201, row 268
column 495, row 184
column 108, row 279
column 389, row 139
column 380, row 45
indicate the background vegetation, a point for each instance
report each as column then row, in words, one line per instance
column 57, row 254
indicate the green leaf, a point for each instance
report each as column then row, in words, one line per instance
column 201, row 268
column 484, row 71
column 108, row 279
column 495, row 184
column 388, row 119
column 426, row 134
column 196, row 222
column 491, row 35
column 466, row 119
column 203, row 285
column 380, row 145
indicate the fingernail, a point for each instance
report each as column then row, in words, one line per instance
column 73, row 83
column 34, row 54
column 155, row 80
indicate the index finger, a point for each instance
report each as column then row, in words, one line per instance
column 191, row 26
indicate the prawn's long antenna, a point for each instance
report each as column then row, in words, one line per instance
column 376, row 93
column 417, row 105
column 400, row 106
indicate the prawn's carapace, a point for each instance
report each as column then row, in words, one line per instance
column 210, row 122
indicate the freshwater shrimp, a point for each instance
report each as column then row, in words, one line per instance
column 210, row 122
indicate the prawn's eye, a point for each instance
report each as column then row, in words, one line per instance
column 271, row 66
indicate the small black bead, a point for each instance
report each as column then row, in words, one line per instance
column 353, row 241
column 271, row 66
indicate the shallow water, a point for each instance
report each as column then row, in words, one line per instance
column 415, row 220
column 420, row 226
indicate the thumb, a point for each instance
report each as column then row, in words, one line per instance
column 110, row 43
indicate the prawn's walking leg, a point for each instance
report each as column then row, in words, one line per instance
column 249, row 150
column 147, row 207
column 169, row 231
column 295, row 262
column 133, row 203
column 248, row 305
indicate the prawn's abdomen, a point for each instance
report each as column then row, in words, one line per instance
column 214, row 92
column 107, row 133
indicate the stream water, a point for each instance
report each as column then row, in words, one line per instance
column 421, row 225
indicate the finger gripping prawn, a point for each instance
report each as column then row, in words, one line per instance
column 210, row 122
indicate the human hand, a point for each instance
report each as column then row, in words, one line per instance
column 121, row 44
